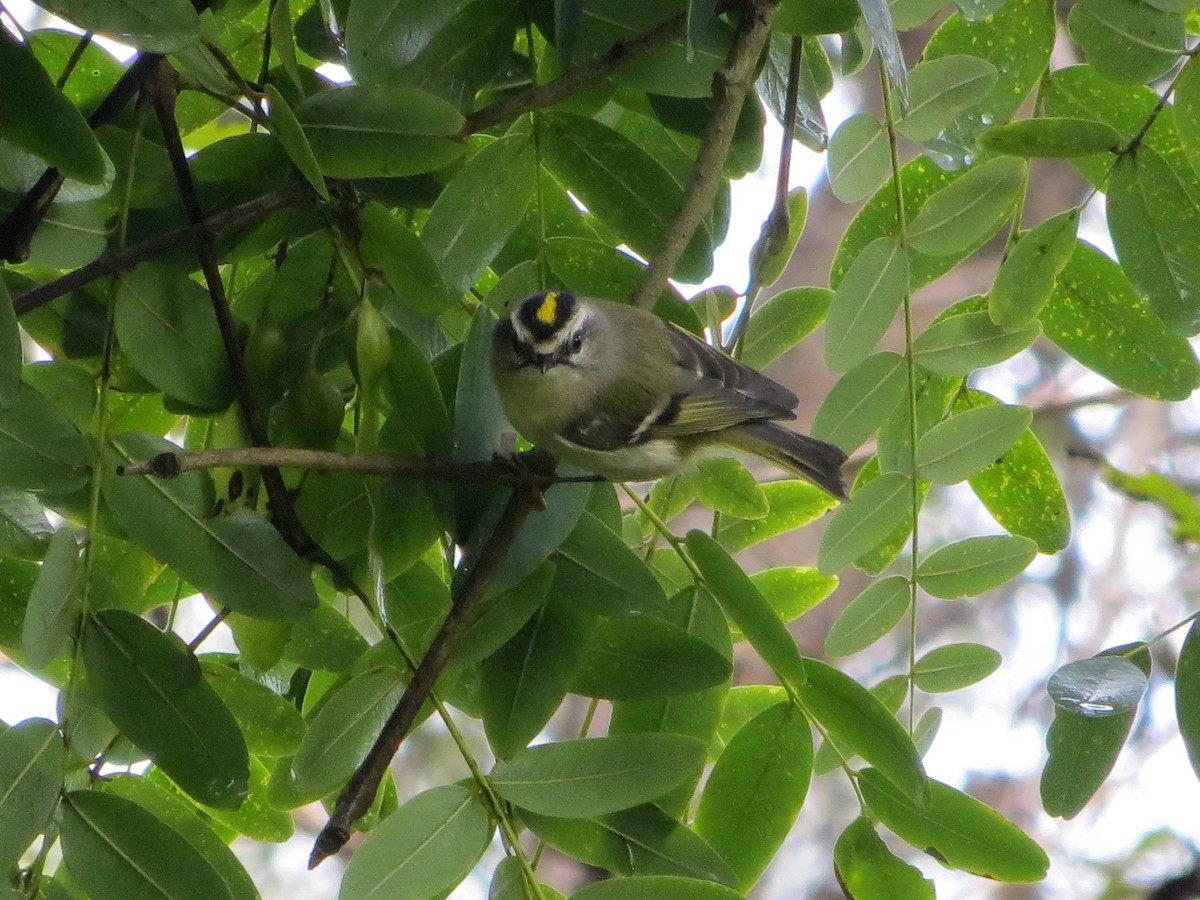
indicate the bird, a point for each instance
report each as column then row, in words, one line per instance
column 618, row 391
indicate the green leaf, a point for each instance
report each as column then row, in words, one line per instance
column 1155, row 225
column 642, row 841
column 970, row 210
column 1187, row 113
column 342, row 730
column 238, row 560
column 165, row 325
column 640, row 658
column 747, row 608
column 974, row 565
column 159, row 27
column 865, row 303
column 1083, row 749
column 939, row 89
column 407, row 266
column 364, row 132
column 595, row 776
column 40, row 449
column 269, row 723
column 862, row 400
column 115, row 850
column 1026, row 278
column 793, row 590
column 724, row 485
column 859, row 158
column 149, row 684
column 967, row 442
column 868, row 870
column 869, row 616
column 958, row 345
column 656, row 887
column 508, row 883
column 1055, row 137
column 859, row 526
column 525, row 680
column 954, row 666
column 965, row 833
column 421, row 850
column 290, row 133
column 58, row 133
column 32, row 760
column 622, row 185
column 772, row 253
column 52, row 615
column 1187, row 696
column 756, row 789
column 24, row 529
column 1127, row 42
column 1095, row 316
column 856, row 720
column 793, row 503
column 178, row 813
column 1102, row 685
column 604, row 575
column 480, row 207
column 11, row 351
column 782, row 322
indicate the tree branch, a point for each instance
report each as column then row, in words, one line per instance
column 171, row 465
column 619, row 54
column 358, row 795
column 216, row 224
column 730, row 86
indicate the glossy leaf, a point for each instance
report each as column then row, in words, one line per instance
column 165, row 325
column 115, row 850
column 1187, row 695
column 24, row 529
column 782, row 322
column 859, row 526
column 868, row 870
column 342, row 730
column 478, row 210
column 939, row 89
column 747, row 608
column 239, row 560
column 1083, row 749
column 149, row 684
column 595, row 776
column 974, row 565
column 954, row 666
column 770, row 256
column 40, row 449
column 859, row 158
column 967, row 442
column 32, row 759
column 1026, row 277
column 1097, row 318
column 1127, row 42
column 1154, row 224
column 407, row 266
column 270, row 724
column 965, row 833
column 288, row 130
column 756, row 789
column 646, row 659
column 52, row 615
column 793, row 590
column 969, row 210
column 859, row 723
column 364, row 131
column 862, row 400
column 656, row 887
column 1056, row 137
column 869, row 616
column 725, row 485
column 865, row 303
column 793, row 503
column 958, row 345
column 421, row 850
column 1098, row 686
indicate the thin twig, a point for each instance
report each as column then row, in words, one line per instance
column 730, row 86
column 172, row 464
column 358, row 795
column 619, row 54
column 122, row 260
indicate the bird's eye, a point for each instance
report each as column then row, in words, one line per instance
column 576, row 342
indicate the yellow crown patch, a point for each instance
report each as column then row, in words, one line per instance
column 547, row 313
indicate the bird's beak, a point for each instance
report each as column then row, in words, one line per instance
column 546, row 361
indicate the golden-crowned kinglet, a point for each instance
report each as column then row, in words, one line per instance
column 621, row 392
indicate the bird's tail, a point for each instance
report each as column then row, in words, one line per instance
column 813, row 460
